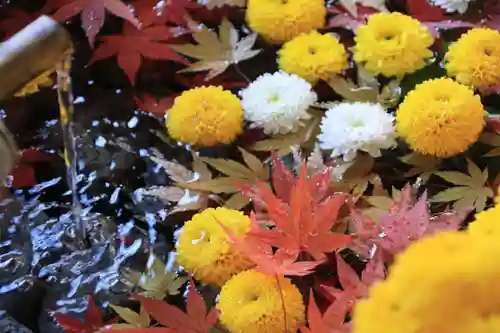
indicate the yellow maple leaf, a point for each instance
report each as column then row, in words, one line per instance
column 132, row 319
column 493, row 140
column 217, row 53
column 471, row 190
column 422, row 165
column 233, row 171
column 211, row 4
column 158, row 281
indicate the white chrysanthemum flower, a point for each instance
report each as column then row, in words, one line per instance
column 277, row 102
column 349, row 127
column 452, row 5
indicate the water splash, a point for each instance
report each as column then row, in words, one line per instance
column 66, row 111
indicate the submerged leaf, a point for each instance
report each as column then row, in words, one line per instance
column 157, row 281
column 217, row 53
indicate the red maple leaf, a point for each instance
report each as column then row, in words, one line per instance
column 92, row 320
column 15, row 21
column 332, row 321
column 92, row 13
column 344, row 19
column 301, row 217
column 23, row 174
column 155, row 12
column 405, row 223
column 194, row 320
column 493, row 123
column 157, row 107
column 353, row 287
column 422, row 10
column 129, row 46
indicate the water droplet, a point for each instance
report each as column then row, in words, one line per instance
column 100, row 142
column 79, row 100
column 133, row 122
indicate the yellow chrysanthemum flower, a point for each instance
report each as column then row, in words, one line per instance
column 482, row 45
column 251, row 302
column 204, row 249
column 279, row 21
column 313, row 56
column 487, row 222
column 205, row 116
column 440, row 117
column 392, row 44
column 445, row 283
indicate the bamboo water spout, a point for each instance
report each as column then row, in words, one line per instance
column 36, row 49
column 32, row 51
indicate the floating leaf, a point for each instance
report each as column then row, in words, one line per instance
column 229, row 167
column 358, row 175
column 132, row 44
column 165, row 193
column 375, row 4
column 406, row 221
column 238, row 201
column 217, row 53
column 92, row 320
column 211, row 4
column 154, row 12
column 132, row 318
column 283, row 144
column 92, row 14
column 255, row 164
column 423, row 165
column 178, row 173
column 367, row 79
column 472, row 189
column 303, row 219
column 218, row 185
column 350, row 6
column 391, row 93
column 196, row 319
column 493, row 140
column 347, row 89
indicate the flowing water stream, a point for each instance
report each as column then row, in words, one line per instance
column 66, row 111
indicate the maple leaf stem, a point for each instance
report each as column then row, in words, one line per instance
column 282, row 302
column 238, row 69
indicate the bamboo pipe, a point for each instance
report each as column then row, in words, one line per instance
column 32, row 51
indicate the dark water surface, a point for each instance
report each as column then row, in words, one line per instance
column 43, row 266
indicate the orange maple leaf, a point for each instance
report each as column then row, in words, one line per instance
column 301, row 217
column 266, row 261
